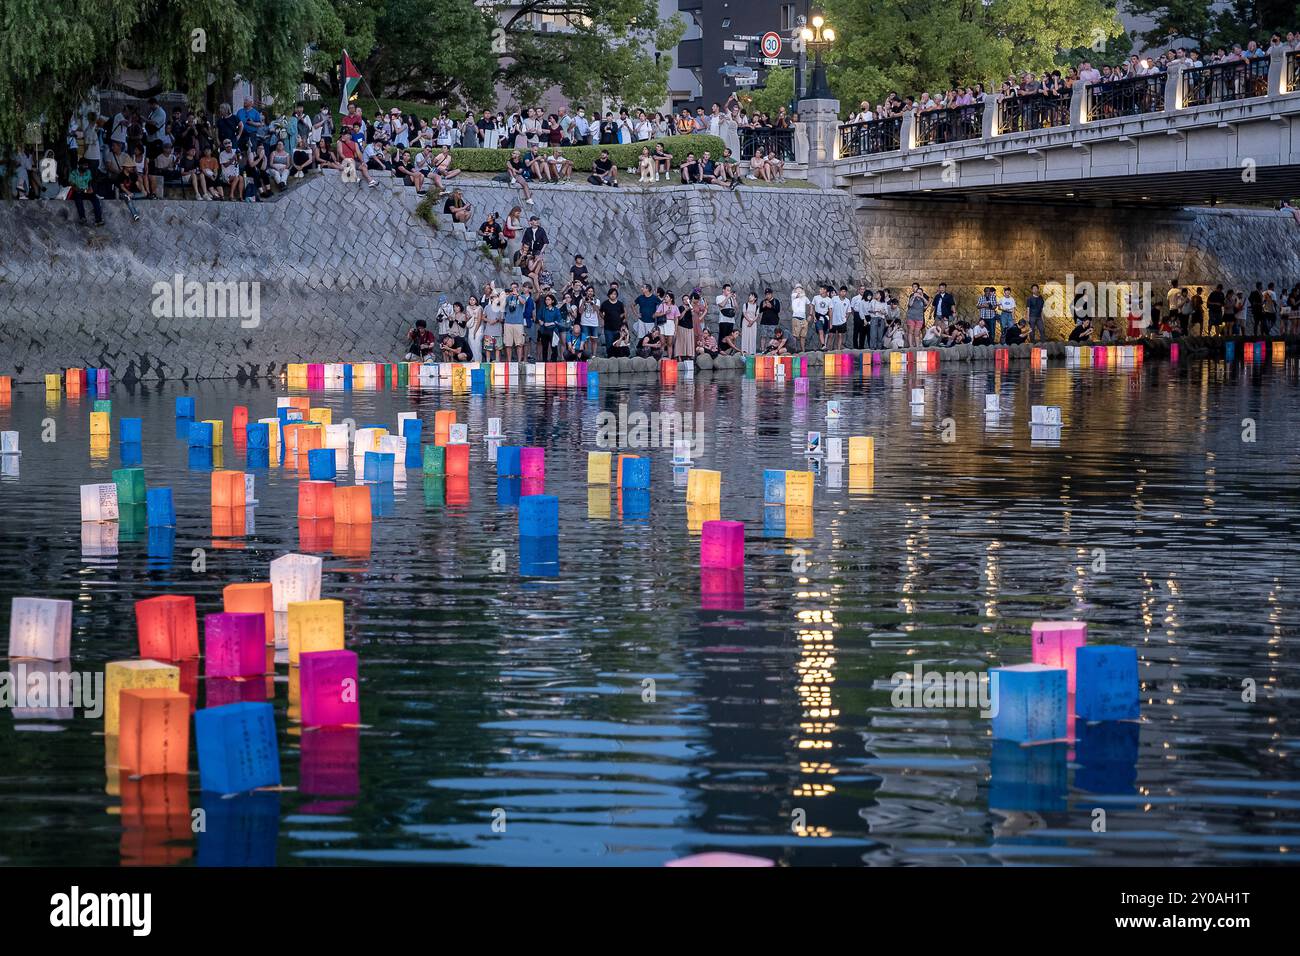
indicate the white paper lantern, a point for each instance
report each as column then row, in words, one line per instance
column 294, row 577
column 99, row 502
column 40, row 628
column 9, row 443
column 458, row 434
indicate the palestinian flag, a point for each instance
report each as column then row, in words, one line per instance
column 351, row 79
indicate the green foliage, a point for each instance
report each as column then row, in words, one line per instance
column 1212, row 25
column 53, row 54
column 776, row 92
column 934, row 45
column 604, row 49
column 494, row 160
column 427, row 210
column 429, row 50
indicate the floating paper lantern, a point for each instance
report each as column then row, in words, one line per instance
column 862, row 450
column 1045, row 415
column 184, row 406
column 130, row 486
column 99, row 502
column 703, row 487
column 918, row 396
column 310, row 437
column 799, row 489
column 160, row 511
column 1054, row 644
column 253, row 597
column 539, row 516
column 134, row 675
column 597, row 467
column 40, row 628
column 234, row 645
column 773, row 486
column 991, row 402
column 435, row 460
column 378, row 466
column 315, row 626
column 217, row 426
column 237, row 748
column 457, row 460
column 296, row 577
column 458, row 434
column 9, row 443
column 336, row 437
column 258, row 435
column 681, row 451
column 132, row 430
column 154, row 730
column 833, row 407
column 316, row 498
column 442, row 422
column 352, row 506
column 1107, row 683
column 167, row 627
column 813, row 445
column 328, row 685
column 228, row 489
column 636, row 474
column 494, row 428
column 618, row 470
column 321, row 416
column 668, row 371
column 200, row 434
column 722, row 544
column 321, row 465
column 532, row 462
column 1029, row 702
column 834, row 449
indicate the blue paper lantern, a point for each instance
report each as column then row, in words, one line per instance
column 539, row 516
column 1029, row 702
column 379, row 466
column 477, row 381
column 237, row 748
column 184, row 406
column 131, row 430
column 321, row 464
column 257, row 459
column 200, row 459
column 508, row 461
column 636, row 474
column 347, row 376
column 773, row 486
column 1230, row 350
column 257, row 435
column 160, row 509
column 413, row 432
column 132, row 453
column 1106, row 683
column 200, row 434
column 383, row 500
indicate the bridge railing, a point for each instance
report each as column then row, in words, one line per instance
column 951, row 125
column 1128, row 97
column 1225, row 82
column 1293, row 71
column 875, row 136
column 1020, row 114
column 779, row 142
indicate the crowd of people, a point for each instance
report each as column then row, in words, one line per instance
column 1062, row 81
column 541, row 319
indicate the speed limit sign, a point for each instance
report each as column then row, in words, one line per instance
column 771, row 45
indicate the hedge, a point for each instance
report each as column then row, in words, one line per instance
column 494, row 160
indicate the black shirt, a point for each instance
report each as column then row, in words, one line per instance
column 602, row 166
column 579, row 273
column 769, row 313
column 535, row 239
column 611, row 314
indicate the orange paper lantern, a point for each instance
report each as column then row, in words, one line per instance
column 316, row 499
column 352, row 505
column 228, row 489
column 155, row 731
column 168, row 627
column 254, row 597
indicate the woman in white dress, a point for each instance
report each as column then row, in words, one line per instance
column 749, row 325
column 475, row 327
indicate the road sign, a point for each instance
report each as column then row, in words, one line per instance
column 771, row 45
column 771, row 61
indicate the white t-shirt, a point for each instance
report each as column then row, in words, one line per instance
column 821, row 305
column 1007, row 304
column 839, row 310
column 799, row 305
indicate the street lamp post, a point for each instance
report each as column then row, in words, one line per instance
column 818, row 37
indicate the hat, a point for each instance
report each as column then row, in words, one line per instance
column 395, row 112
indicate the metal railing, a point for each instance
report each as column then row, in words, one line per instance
column 778, row 141
column 1225, row 82
column 875, row 136
column 1293, row 71
column 951, row 125
column 1020, row 114
column 1130, row 97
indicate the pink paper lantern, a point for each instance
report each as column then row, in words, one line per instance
column 234, row 645
column 328, row 680
column 1054, row 644
column 801, row 386
column 722, row 544
column 532, row 463
column 721, row 859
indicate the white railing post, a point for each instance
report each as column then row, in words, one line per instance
column 907, row 132
column 1277, row 73
column 991, row 111
column 1174, row 88
column 1078, row 104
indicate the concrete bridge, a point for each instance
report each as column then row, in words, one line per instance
column 1225, row 133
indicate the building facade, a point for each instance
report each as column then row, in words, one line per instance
column 721, row 47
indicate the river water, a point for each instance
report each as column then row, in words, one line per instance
column 611, row 715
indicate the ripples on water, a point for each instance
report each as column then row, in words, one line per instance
column 485, row 694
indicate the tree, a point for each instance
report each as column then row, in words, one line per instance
column 53, row 55
column 599, row 49
column 424, row 50
column 1175, row 21
column 915, row 46
column 776, row 92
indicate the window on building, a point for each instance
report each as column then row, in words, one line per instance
column 787, row 17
